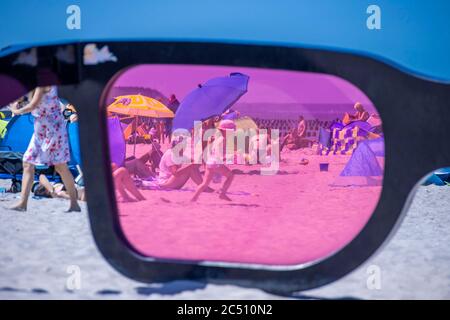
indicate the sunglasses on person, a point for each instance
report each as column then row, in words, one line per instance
column 344, row 176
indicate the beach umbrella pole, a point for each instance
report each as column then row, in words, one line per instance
column 135, row 129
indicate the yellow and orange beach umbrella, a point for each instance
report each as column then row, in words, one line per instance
column 138, row 105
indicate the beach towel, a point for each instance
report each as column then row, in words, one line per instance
column 344, row 141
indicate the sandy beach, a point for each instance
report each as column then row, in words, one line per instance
column 269, row 215
column 310, row 207
column 39, row 246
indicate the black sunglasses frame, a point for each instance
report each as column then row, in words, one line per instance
column 414, row 111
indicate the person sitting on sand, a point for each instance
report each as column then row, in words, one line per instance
column 173, row 174
column 45, row 188
column 139, row 167
column 291, row 140
column 215, row 163
column 360, row 115
column 260, row 147
column 301, row 128
column 124, row 184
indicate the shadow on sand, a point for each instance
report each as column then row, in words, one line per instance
column 171, row 288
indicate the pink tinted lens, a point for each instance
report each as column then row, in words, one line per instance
column 297, row 190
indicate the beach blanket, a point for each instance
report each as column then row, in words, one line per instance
column 152, row 184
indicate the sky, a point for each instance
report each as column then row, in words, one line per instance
column 413, row 36
column 265, row 86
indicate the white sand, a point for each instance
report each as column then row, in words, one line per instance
column 37, row 247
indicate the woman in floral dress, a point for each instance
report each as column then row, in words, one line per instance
column 49, row 145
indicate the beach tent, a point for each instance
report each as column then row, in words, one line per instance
column 363, row 162
column 18, row 133
column 376, row 145
column 117, row 147
column 443, row 174
column 440, row 177
column 363, row 168
column 433, row 179
column 75, row 152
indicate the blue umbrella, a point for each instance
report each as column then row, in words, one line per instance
column 211, row 99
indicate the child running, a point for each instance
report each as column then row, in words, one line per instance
column 215, row 163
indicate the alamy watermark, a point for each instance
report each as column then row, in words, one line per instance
column 373, row 281
column 73, row 281
column 373, row 21
column 214, row 146
column 73, row 21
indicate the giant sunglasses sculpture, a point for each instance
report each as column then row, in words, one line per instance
column 413, row 112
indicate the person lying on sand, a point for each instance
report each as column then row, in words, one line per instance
column 47, row 189
column 139, row 167
column 214, row 163
column 173, row 175
column 125, row 185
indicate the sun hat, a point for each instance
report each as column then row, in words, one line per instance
column 226, row 125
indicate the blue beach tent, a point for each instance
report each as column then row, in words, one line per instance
column 363, row 167
column 18, row 133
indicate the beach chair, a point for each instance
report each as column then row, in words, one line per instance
column 127, row 128
column 128, row 131
column 11, row 168
column 143, row 134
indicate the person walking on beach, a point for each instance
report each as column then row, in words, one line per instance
column 49, row 145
